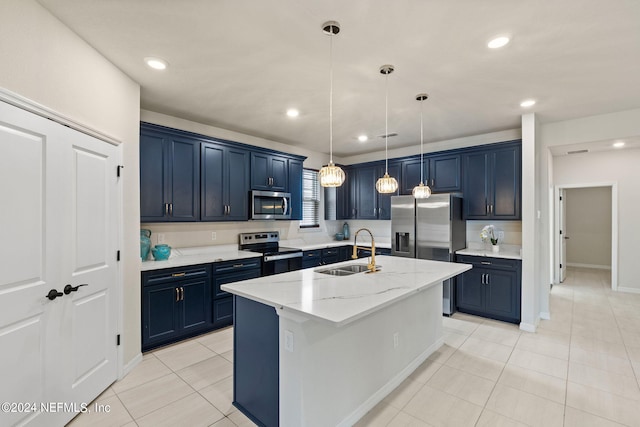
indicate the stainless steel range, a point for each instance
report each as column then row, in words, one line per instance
column 275, row 258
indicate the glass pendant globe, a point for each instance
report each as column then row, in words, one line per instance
column 387, row 184
column 331, row 176
column 421, row 191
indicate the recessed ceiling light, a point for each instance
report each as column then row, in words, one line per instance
column 498, row 42
column 292, row 112
column 528, row 103
column 618, row 144
column 156, row 63
column 363, row 138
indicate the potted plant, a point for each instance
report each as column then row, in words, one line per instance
column 489, row 233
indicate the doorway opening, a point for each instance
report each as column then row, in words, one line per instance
column 586, row 229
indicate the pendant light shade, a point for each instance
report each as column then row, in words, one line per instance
column 387, row 184
column 331, row 175
column 421, row 191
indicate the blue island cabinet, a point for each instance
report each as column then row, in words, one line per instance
column 256, row 358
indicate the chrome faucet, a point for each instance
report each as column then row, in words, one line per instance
column 371, row 265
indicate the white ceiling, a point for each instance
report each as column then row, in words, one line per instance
column 239, row 64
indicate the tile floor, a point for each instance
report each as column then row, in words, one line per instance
column 581, row 368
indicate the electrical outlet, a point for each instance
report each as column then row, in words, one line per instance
column 213, row 235
column 160, row 238
column 288, row 341
column 501, row 236
column 396, row 340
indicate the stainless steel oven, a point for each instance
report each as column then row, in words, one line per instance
column 270, row 205
column 275, row 258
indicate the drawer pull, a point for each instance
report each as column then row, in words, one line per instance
column 485, row 262
column 238, row 265
column 178, row 274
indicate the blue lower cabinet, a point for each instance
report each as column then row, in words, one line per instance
column 229, row 272
column 312, row 258
column 256, row 361
column 492, row 288
column 175, row 304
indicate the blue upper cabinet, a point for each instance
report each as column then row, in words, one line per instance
column 269, row 172
column 225, row 183
column 169, row 177
column 492, row 183
column 442, row 173
column 295, row 188
column 365, row 201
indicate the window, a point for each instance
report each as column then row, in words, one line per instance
column 310, row 199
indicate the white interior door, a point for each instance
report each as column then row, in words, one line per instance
column 562, row 235
column 60, row 227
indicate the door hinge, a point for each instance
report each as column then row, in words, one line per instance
column 118, row 256
column 560, row 265
column 560, row 198
column 118, row 339
column 118, row 171
column 560, row 231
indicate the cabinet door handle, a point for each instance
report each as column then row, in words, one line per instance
column 490, row 208
column 433, row 182
column 487, row 280
column 178, row 274
column 181, row 293
column 171, row 209
column 166, row 209
column 177, row 294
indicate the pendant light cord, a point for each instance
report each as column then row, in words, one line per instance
column 386, row 124
column 421, row 142
column 331, row 98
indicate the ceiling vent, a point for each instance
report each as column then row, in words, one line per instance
column 389, row 135
column 577, row 151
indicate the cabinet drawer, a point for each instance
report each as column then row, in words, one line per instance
column 316, row 253
column 237, row 265
column 329, row 252
column 223, row 312
column 236, row 276
column 174, row 274
column 489, row 262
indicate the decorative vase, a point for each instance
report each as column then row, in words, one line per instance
column 145, row 243
column 339, row 236
column 161, row 252
column 345, row 231
column 495, row 248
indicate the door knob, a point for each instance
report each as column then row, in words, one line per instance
column 68, row 289
column 53, row 294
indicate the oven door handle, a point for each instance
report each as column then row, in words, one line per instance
column 285, row 205
column 269, row 258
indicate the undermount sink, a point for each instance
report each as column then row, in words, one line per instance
column 345, row 270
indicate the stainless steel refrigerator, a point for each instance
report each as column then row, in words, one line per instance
column 430, row 228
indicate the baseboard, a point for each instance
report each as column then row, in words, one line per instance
column 628, row 290
column 527, row 327
column 391, row 385
column 545, row 315
column 596, row 266
column 132, row 364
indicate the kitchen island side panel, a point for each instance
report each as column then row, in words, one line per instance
column 255, row 361
column 335, row 375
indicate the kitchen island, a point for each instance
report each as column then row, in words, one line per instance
column 314, row 349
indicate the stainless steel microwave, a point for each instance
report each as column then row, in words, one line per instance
column 270, row 205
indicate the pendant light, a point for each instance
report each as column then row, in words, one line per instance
column 331, row 175
column 387, row 184
column 421, row 191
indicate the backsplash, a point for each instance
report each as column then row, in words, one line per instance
column 512, row 231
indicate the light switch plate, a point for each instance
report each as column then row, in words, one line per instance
column 160, row 238
column 213, row 235
column 288, row 341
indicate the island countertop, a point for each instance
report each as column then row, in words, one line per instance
column 342, row 299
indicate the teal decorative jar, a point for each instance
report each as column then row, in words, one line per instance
column 345, row 231
column 145, row 243
column 161, row 252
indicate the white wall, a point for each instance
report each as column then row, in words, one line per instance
column 44, row 61
column 603, row 127
column 588, row 226
column 611, row 166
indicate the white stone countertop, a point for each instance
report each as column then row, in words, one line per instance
column 342, row 299
column 181, row 257
column 506, row 251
